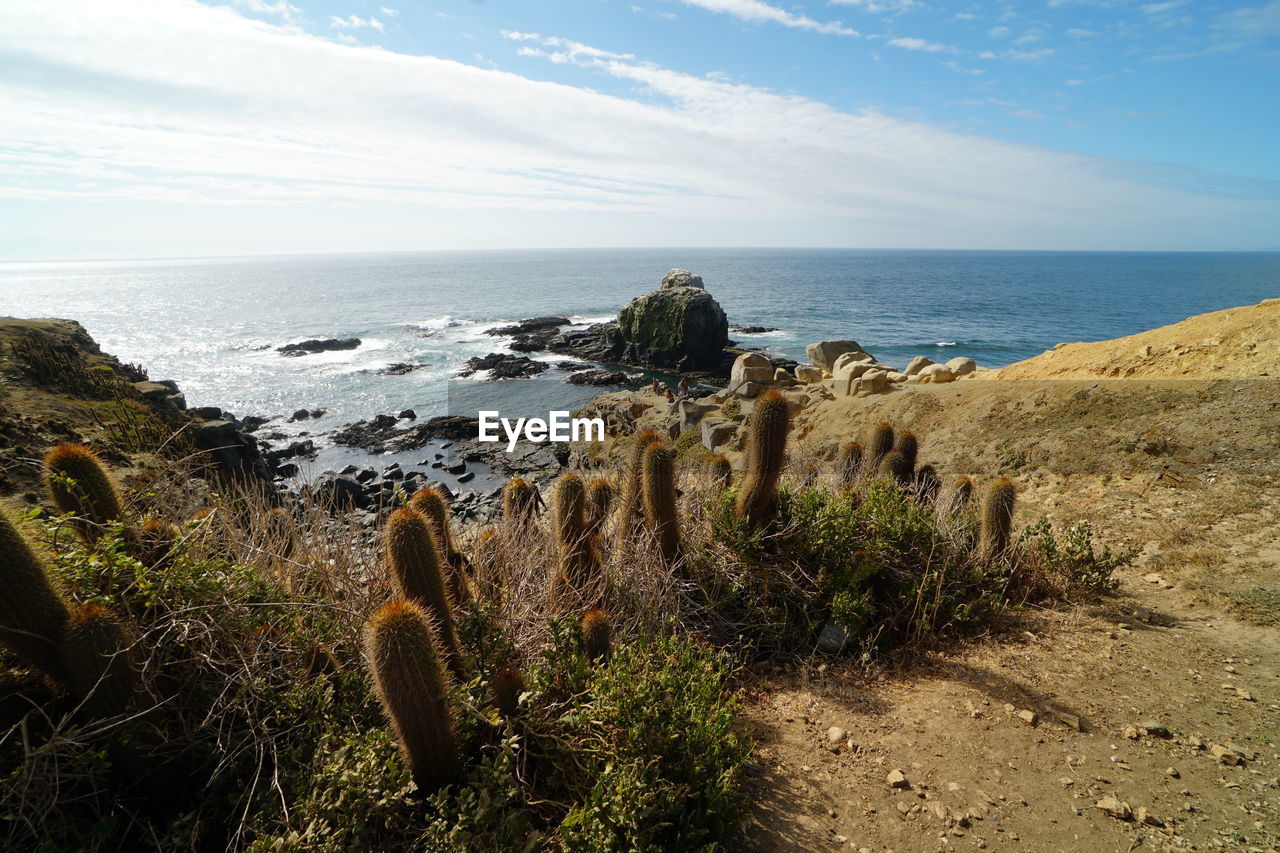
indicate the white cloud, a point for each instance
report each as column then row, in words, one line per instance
column 918, row 44
column 998, row 32
column 390, row 13
column 282, row 8
column 1162, row 8
column 354, row 22
column 874, row 6
column 212, row 117
column 1077, row 32
column 758, row 11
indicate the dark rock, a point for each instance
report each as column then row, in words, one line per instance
column 455, row 467
column 365, row 475
column 231, row 449
column 570, row 366
column 408, row 415
column 367, row 435
column 287, row 470
column 208, row 413
column 400, row 368
column 300, row 415
column 529, row 343
column 349, row 470
column 467, row 477
column 751, row 330
column 679, row 327
column 252, row 422
column 315, row 345
column 505, row 366
column 335, row 492
column 533, row 324
column 601, row 377
column 392, row 472
column 305, row 448
column 316, row 413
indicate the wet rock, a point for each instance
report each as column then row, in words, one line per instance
column 339, row 493
column 601, row 378
column 407, row 415
column 750, row 330
column 504, row 366
column 455, row 468
column 400, row 368
column 315, row 345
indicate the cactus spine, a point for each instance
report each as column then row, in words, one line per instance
column 435, row 509
column 96, row 658
column 415, row 565
column 507, row 686
column 579, row 565
column 766, row 453
column 155, row 542
column 997, row 518
column 33, row 613
column 414, row 690
column 599, row 503
column 519, row 500
column 880, row 443
column 79, row 484
column 659, row 486
column 894, row 467
column 850, row 465
column 718, row 470
column 909, row 446
column 597, row 635
column 927, row 484
column 630, row 503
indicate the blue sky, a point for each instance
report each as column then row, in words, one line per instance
column 173, row 127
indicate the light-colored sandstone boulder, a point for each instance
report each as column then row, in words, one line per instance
column 874, row 382
column 716, row 431
column 961, row 366
column 847, row 375
column 783, row 377
column 750, row 367
column 916, row 365
column 806, row 373
column 852, row 358
column 936, row 373
column 824, row 353
column 895, row 377
column 751, row 389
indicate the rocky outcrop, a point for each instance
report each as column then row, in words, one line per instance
column 503, row 365
column 531, row 335
column 678, row 327
column 823, row 354
column 315, row 345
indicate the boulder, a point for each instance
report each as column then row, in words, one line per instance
column 339, row 493
column 309, row 347
column 716, row 431
column 873, row 382
column 853, row 358
column 936, row 373
column 751, row 389
column 961, row 366
column 782, row 376
column 504, row 366
column 916, row 365
column 824, row 353
column 679, row 327
column 806, row 373
column 682, row 278
column 847, row 376
column 750, row 367
column 691, row 413
column 229, row 448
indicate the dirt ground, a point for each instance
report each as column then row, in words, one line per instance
column 1012, row 741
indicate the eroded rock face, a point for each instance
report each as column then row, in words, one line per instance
column 823, row 354
column 680, row 327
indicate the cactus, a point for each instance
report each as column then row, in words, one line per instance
column 318, row 661
column 154, row 542
column 630, row 503
column 80, row 485
column 579, row 564
column 597, row 636
column 415, row 564
column 95, row 655
column 894, row 467
column 717, row 469
column 599, row 502
column 435, row 509
column 33, row 613
column 909, row 446
column 519, row 500
column 659, row 486
column 927, row 484
column 850, row 465
column 766, row 453
column 507, row 685
column 879, row 444
column 961, row 494
column 414, row 689
column 997, row 518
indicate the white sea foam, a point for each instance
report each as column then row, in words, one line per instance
column 945, row 344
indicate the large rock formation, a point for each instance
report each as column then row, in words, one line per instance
column 677, row 327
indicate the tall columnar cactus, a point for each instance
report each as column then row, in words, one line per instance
column 961, row 494
column 879, row 443
column 850, row 465
column 597, row 635
column 927, row 484
column 519, row 500
column 630, row 510
column 997, row 518
column 96, row 657
column 414, row 689
column 507, row 685
column 435, row 509
column 717, row 469
column 579, row 565
column 909, row 446
column 33, row 613
column 766, row 454
column 599, row 503
column 416, row 567
column 79, row 484
column 659, row 487
column 894, row 467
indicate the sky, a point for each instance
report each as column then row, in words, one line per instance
column 165, row 128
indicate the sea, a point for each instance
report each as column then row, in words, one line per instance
column 213, row 324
